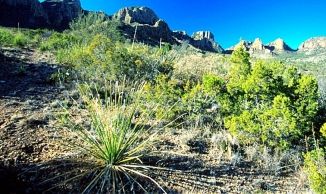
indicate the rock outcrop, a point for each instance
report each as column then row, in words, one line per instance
column 242, row 43
column 257, row 47
column 61, row 12
column 141, row 15
column 205, row 41
column 313, row 44
column 24, row 13
column 279, row 45
column 144, row 25
column 55, row 14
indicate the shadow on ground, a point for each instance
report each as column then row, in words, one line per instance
column 23, row 79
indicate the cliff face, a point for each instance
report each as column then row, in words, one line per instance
column 313, row 44
column 144, row 25
column 25, row 13
column 141, row 15
column 279, row 45
column 55, row 14
column 257, row 47
column 205, row 40
column 61, row 12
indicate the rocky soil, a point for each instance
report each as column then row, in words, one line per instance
column 28, row 101
column 27, row 96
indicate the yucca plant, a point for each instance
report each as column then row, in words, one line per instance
column 114, row 141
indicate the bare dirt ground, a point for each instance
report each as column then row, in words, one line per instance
column 27, row 100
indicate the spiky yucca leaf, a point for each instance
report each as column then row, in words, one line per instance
column 115, row 140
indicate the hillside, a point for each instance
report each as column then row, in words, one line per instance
column 124, row 104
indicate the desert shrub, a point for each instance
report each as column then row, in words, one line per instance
column 6, row 37
column 92, row 24
column 20, row 40
column 17, row 38
column 199, row 105
column 59, row 41
column 114, row 141
column 194, row 101
column 103, row 58
column 315, row 167
column 163, row 94
column 271, row 102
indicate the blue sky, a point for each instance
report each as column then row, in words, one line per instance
column 230, row 20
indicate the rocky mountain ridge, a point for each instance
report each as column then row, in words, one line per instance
column 54, row 14
column 257, row 46
column 139, row 23
column 143, row 25
column 313, row 44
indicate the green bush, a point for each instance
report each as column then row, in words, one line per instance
column 163, row 97
column 193, row 104
column 323, row 130
column 315, row 167
column 20, row 40
column 103, row 58
column 6, row 37
column 270, row 103
column 93, row 24
column 59, row 41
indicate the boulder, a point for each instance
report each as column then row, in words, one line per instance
column 313, row 44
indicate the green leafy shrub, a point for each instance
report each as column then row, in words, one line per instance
column 20, row 40
column 323, row 130
column 103, row 58
column 315, row 167
column 195, row 102
column 58, row 41
column 93, row 24
column 270, row 102
column 6, row 37
column 164, row 97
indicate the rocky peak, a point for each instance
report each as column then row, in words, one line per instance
column 313, row 44
column 244, row 44
column 200, row 35
column 279, row 45
column 204, row 40
column 257, row 45
column 141, row 15
column 144, row 25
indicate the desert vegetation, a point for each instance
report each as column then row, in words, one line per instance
column 132, row 99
